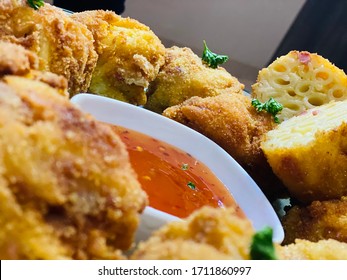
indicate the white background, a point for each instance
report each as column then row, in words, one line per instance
column 88, row 270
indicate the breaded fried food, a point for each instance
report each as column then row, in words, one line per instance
column 309, row 153
column 208, row 233
column 184, row 75
column 233, row 123
column 320, row 220
column 18, row 64
column 220, row 234
column 64, row 46
column 306, row 250
column 300, row 81
column 67, row 189
column 130, row 55
column 16, row 59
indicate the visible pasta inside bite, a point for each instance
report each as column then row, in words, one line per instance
column 309, row 152
column 300, row 81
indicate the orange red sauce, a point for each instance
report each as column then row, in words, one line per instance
column 176, row 183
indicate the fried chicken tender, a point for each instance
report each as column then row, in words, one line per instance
column 320, row 220
column 300, row 81
column 18, row 64
column 233, row 123
column 208, row 233
column 183, row 76
column 67, row 189
column 309, row 153
column 305, row 250
column 64, row 46
column 130, row 55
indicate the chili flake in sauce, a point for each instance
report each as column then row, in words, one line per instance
column 175, row 182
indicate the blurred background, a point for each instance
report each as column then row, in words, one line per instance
column 251, row 32
column 248, row 31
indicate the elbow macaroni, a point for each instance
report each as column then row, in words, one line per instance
column 309, row 152
column 300, row 84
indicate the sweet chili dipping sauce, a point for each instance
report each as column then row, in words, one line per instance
column 175, row 182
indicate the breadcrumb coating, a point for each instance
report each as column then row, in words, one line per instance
column 306, row 250
column 317, row 221
column 220, row 233
column 309, row 153
column 233, row 123
column 300, row 81
column 67, row 189
column 18, row 64
column 64, row 46
column 184, row 75
column 130, row 55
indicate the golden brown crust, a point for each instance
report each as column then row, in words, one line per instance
column 322, row 250
column 59, row 83
column 309, row 153
column 300, row 81
column 183, row 76
column 67, row 189
column 18, row 64
column 16, row 60
column 64, row 46
column 228, row 119
column 220, row 232
column 130, row 55
column 233, row 123
column 320, row 220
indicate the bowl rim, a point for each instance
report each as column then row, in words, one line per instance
column 255, row 205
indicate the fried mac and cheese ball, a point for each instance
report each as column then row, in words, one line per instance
column 317, row 221
column 309, row 153
column 18, row 64
column 130, row 55
column 16, row 59
column 300, row 81
column 220, row 233
column 306, row 250
column 233, row 123
column 185, row 75
column 64, row 46
column 67, row 189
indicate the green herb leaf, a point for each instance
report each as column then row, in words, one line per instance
column 262, row 247
column 212, row 59
column 271, row 106
column 185, row 166
column 35, row 4
column 191, row 185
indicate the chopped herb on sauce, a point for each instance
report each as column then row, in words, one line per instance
column 35, row 4
column 185, row 166
column 271, row 106
column 212, row 59
column 191, row 185
column 154, row 168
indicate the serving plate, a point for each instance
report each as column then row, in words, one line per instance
column 244, row 190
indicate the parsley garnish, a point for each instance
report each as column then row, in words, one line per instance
column 262, row 247
column 212, row 59
column 35, row 4
column 271, row 106
column 191, row 185
column 185, row 166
